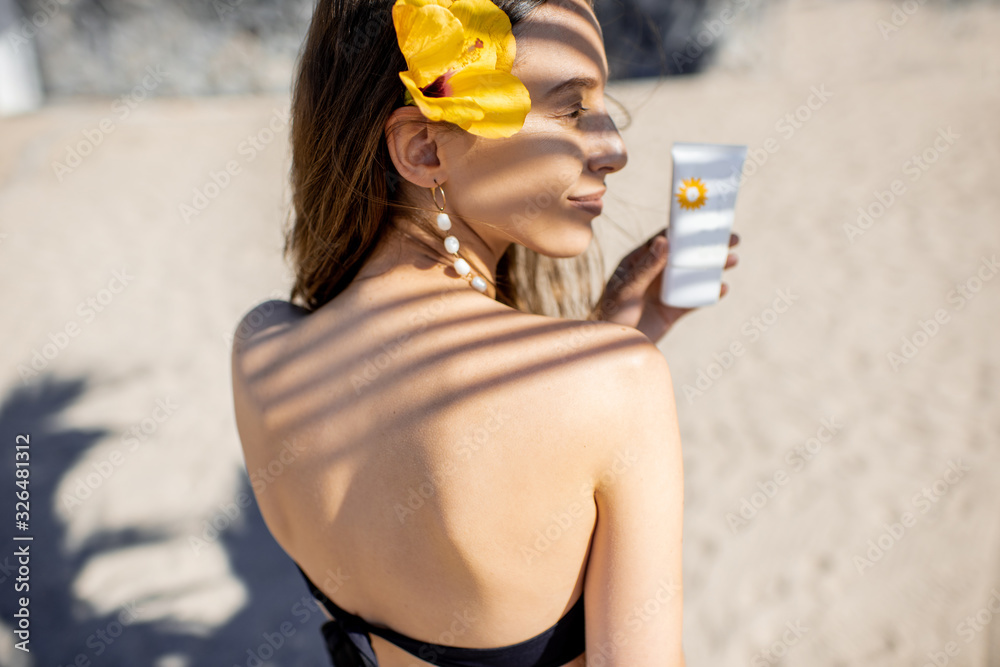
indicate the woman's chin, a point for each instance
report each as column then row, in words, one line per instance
column 573, row 242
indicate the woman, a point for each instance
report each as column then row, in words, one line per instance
column 460, row 471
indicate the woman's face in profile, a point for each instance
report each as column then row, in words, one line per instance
column 526, row 184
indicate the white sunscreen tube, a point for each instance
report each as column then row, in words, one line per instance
column 706, row 179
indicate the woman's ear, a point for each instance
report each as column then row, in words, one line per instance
column 414, row 148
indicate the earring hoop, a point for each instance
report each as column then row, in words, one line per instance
column 444, row 199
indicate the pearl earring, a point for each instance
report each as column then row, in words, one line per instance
column 451, row 243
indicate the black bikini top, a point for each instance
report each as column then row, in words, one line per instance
column 349, row 645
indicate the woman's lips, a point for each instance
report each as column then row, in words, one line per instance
column 594, row 206
column 592, row 203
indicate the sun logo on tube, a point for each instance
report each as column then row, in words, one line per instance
column 693, row 194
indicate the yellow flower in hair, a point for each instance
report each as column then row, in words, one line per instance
column 459, row 54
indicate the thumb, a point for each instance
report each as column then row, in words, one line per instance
column 645, row 266
column 656, row 257
column 642, row 265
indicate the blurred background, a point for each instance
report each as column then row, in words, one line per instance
column 842, row 465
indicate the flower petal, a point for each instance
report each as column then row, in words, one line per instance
column 430, row 37
column 484, row 21
column 467, row 47
column 458, row 110
column 501, row 96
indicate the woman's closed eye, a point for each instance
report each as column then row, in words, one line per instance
column 577, row 112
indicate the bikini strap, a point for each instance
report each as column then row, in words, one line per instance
column 554, row 647
column 346, row 637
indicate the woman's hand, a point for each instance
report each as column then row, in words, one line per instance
column 632, row 296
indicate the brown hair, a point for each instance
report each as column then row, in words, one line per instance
column 345, row 188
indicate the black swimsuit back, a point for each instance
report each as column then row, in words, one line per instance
column 349, row 644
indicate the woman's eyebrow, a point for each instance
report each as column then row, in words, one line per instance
column 587, row 82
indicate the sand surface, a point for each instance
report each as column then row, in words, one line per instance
column 871, row 398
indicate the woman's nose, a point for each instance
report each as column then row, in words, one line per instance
column 608, row 152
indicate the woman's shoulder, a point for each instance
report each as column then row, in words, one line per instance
column 257, row 338
column 257, row 342
column 255, row 348
column 611, row 399
column 596, row 346
column 604, row 369
column 264, row 317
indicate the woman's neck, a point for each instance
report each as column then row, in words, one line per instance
column 409, row 248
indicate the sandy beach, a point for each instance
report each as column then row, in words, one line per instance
column 839, row 408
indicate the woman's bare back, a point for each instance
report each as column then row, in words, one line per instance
column 437, row 468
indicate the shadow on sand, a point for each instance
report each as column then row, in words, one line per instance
column 279, row 624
